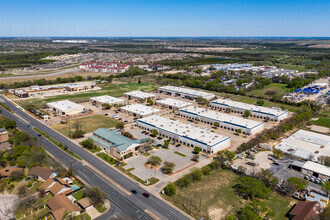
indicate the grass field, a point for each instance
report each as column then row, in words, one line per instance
column 300, row 68
column 215, row 197
column 324, row 119
column 112, row 90
column 279, row 88
column 92, row 123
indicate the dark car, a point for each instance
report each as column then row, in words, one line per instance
column 125, row 121
column 146, row 194
column 133, row 191
column 159, row 145
column 160, row 138
column 178, row 145
column 275, row 163
column 143, row 132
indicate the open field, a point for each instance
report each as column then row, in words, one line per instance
column 300, row 68
column 216, row 198
column 279, row 88
column 112, row 90
column 324, row 119
column 92, row 123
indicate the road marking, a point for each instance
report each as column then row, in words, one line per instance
column 152, row 214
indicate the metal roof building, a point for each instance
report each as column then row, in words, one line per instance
column 173, row 103
column 138, row 110
column 274, row 114
column 185, row 133
column 105, row 99
column 227, row 121
column 66, row 107
column 185, row 92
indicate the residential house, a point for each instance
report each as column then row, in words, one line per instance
column 56, row 186
column 11, row 170
column 42, row 173
column 61, row 206
column 305, row 211
column 86, row 203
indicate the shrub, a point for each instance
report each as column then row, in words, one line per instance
column 170, row 189
column 168, row 167
column 206, row 170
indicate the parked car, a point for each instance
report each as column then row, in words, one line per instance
column 119, row 119
column 159, row 138
column 146, row 194
column 240, row 156
column 143, row 132
column 275, row 163
column 133, row 191
column 125, row 121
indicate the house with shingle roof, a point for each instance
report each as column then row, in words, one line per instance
column 42, row 173
column 115, row 143
column 55, row 186
column 60, row 206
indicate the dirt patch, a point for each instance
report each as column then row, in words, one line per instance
column 321, row 46
column 150, row 166
column 217, row 213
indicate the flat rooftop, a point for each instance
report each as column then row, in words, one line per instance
column 174, row 102
column 186, row 91
column 107, row 99
column 140, row 94
column 140, row 109
column 221, row 117
column 204, row 136
column 316, row 167
column 65, row 105
column 306, row 144
column 250, row 107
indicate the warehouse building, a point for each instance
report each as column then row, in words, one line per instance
column 306, row 145
column 317, row 170
column 139, row 111
column 186, row 134
column 105, row 99
column 226, row 121
column 66, row 108
column 273, row 114
column 139, row 95
column 185, row 93
column 174, row 104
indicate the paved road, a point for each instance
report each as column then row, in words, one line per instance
column 132, row 206
column 41, row 75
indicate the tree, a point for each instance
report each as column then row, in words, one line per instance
column 88, row 143
column 139, row 80
column 197, row 150
column 196, row 174
column 275, row 98
column 106, row 106
column 251, row 187
column 206, row 170
column 150, row 102
column 95, row 194
column 183, row 181
column 166, row 144
column 19, row 137
column 78, row 134
column 202, row 101
column 238, row 131
column 277, row 154
column 325, row 215
column 216, row 124
column 10, row 124
column 154, row 160
column 239, row 82
column 168, row 167
column 228, row 110
column 266, row 176
column 300, row 183
column 170, row 189
column 260, row 102
column 247, row 113
column 326, row 187
column 120, row 125
column 226, row 155
column 154, row 133
column 255, row 210
column 327, row 161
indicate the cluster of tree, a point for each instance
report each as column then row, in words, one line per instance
column 95, row 194
column 303, row 116
column 14, row 60
column 8, row 124
column 88, row 143
column 168, row 167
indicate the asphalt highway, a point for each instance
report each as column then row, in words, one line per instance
column 132, row 206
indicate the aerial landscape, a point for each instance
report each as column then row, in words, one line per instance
column 165, row 110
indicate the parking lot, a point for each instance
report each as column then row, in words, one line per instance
column 283, row 171
column 165, row 154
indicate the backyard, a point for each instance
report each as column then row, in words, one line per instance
column 214, row 197
column 92, row 123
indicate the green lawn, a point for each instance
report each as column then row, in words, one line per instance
column 107, row 158
column 78, row 195
column 324, row 119
column 300, row 68
column 84, row 216
column 92, row 123
column 215, row 197
column 101, row 209
column 279, row 88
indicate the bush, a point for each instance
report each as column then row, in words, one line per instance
column 95, row 194
column 300, row 183
column 78, row 133
column 196, row 174
column 197, row 150
column 170, row 189
column 168, row 167
column 183, row 181
column 120, row 125
column 154, row 160
column 277, row 154
column 88, row 143
column 251, row 187
column 206, row 170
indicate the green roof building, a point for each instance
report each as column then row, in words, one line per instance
column 115, row 143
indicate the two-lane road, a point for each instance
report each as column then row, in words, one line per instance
column 132, row 205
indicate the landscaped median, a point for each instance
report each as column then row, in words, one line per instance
column 60, row 145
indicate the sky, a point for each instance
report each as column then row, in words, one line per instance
column 165, row 18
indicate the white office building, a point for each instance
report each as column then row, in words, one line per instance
column 105, row 99
column 306, row 145
column 139, row 95
column 273, row 114
column 185, row 93
column 139, row 111
column 186, row 134
column 66, row 108
column 173, row 103
column 226, row 121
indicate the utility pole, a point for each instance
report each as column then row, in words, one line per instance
column 191, row 196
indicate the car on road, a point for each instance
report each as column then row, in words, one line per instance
column 275, row 163
column 133, row 191
column 119, row 119
column 145, row 194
